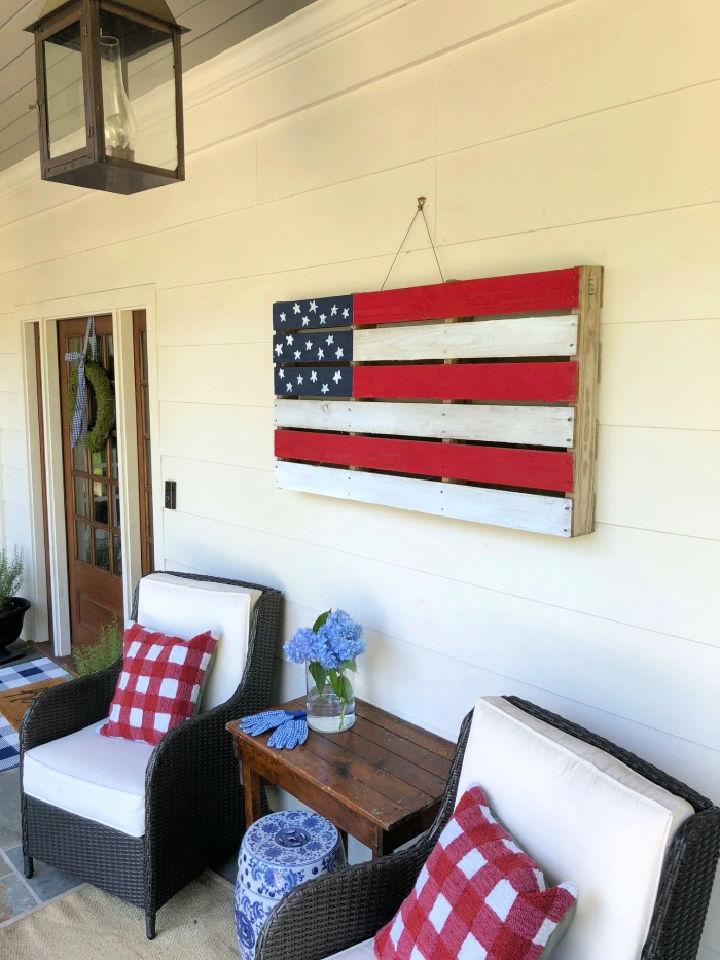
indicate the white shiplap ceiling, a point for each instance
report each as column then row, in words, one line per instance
column 214, row 26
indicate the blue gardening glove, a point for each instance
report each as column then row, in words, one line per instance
column 262, row 722
column 291, row 733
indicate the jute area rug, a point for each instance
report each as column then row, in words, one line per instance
column 87, row 924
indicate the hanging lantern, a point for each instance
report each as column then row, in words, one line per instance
column 109, row 90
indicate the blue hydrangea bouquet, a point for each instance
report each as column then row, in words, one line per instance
column 329, row 649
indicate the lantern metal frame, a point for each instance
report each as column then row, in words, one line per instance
column 92, row 166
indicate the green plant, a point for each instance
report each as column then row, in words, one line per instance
column 97, row 656
column 11, row 575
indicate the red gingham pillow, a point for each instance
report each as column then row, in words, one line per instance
column 478, row 897
column 160, row 684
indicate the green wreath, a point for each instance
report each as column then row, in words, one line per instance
column 97, row 378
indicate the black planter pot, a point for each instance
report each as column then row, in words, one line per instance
column 11, row 621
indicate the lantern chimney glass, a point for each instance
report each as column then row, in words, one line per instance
column 120, row 126
column 138, row 77
column 65, row 100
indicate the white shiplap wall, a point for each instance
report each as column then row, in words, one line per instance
column 544, row 134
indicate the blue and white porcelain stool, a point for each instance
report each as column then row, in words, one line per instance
column 278, row 852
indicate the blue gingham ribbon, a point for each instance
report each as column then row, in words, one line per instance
column 78, row 423
column 291, row 727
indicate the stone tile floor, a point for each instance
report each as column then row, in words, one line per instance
column 18, row 895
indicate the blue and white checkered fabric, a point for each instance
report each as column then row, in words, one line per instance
column 78, row 425
column 20, row 675
column 32, row 671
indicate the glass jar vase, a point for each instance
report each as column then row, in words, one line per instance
column 330, row 699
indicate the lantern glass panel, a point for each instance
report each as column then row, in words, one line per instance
column 64, row 94
column 138, row 81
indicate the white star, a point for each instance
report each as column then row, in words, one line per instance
column 308, row 344
column 346, row 313
column 322, row 322
column 305, row 321
column 321, row 353
column 333, row 310
column 324, row 388
column 281, row 374
column 299, row 379
column 339, row 352
column 313, row 306
column 278, row 349
column 289, row 339
column 288, row 388
column 322, row 318
column 297, row 354
column 282, row 318
column 313, row 376
column 296, row 308
column 337, row 377
column 330, row 339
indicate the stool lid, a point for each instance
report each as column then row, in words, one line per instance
column 291, row 838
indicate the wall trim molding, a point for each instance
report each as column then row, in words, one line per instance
column 298, row 34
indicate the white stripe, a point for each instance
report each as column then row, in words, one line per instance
column 520, row 511
column 516, row 337
column 540, row 426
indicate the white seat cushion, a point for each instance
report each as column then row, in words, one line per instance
column 184, row 607
column 584, row 816
column 363, row 951
column 99, row 778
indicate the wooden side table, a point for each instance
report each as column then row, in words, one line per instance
column 381, row 781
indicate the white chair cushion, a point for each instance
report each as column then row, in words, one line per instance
column 185, row 607
column 363, row 951
column 99, row 778
column 584, row 816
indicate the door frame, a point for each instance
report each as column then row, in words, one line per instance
column 120, row 304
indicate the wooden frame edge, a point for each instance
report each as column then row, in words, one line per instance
column 586, row 408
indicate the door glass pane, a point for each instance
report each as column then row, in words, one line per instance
column 146, row 415
column 82, row 535
column 113, row 459
column 100, row 502
column 117, row 558
column 74, row 344
column 116, row 506
column 102, row 549
column 110, row 356
column 99, row 463
column 82, row 508
column 79, row 458
column 64, row 91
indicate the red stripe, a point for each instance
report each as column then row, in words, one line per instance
column 541, row 382
column 524, row 293
column 502, row 466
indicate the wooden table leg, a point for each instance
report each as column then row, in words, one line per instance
column 378, row 847
column 252, row 785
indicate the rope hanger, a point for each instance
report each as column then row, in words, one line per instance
column 421, row 201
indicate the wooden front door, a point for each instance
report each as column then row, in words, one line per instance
column 92, row 501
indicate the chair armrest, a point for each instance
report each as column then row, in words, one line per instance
column 68, row 707
column 321, row 917
column 339, row 910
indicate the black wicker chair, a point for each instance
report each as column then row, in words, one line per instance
column 338, row 911
column 193, row 798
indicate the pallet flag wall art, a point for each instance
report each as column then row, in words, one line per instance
column 475, row 399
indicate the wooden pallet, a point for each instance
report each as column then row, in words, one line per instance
column 475, row 399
